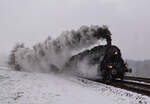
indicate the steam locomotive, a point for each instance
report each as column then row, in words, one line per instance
column 107, row 58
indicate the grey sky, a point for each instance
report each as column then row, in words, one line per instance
column 31, row 21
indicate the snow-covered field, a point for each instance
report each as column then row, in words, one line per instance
column 40, row 88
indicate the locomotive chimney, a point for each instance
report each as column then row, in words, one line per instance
column 108, row 39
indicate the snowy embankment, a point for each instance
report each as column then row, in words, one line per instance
column 4, row 68
column 38, row 88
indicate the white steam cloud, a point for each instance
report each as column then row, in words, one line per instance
column 52, row 54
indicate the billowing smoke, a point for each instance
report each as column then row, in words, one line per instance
column 84, row 69
column 52, row 54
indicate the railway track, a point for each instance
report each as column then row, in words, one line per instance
column 147, row 80
column 132, row 86
column 140, row 88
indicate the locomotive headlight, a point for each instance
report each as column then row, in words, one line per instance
column 110, row 66
column 115, row 52
column 126, row 65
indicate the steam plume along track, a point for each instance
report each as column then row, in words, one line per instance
column 54, row 53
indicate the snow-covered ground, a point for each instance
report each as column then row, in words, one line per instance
column 4, row 68
column 40, row 88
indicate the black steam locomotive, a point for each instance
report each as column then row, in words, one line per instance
column 108, row 59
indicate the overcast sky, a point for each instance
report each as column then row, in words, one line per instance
column 31, row 21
